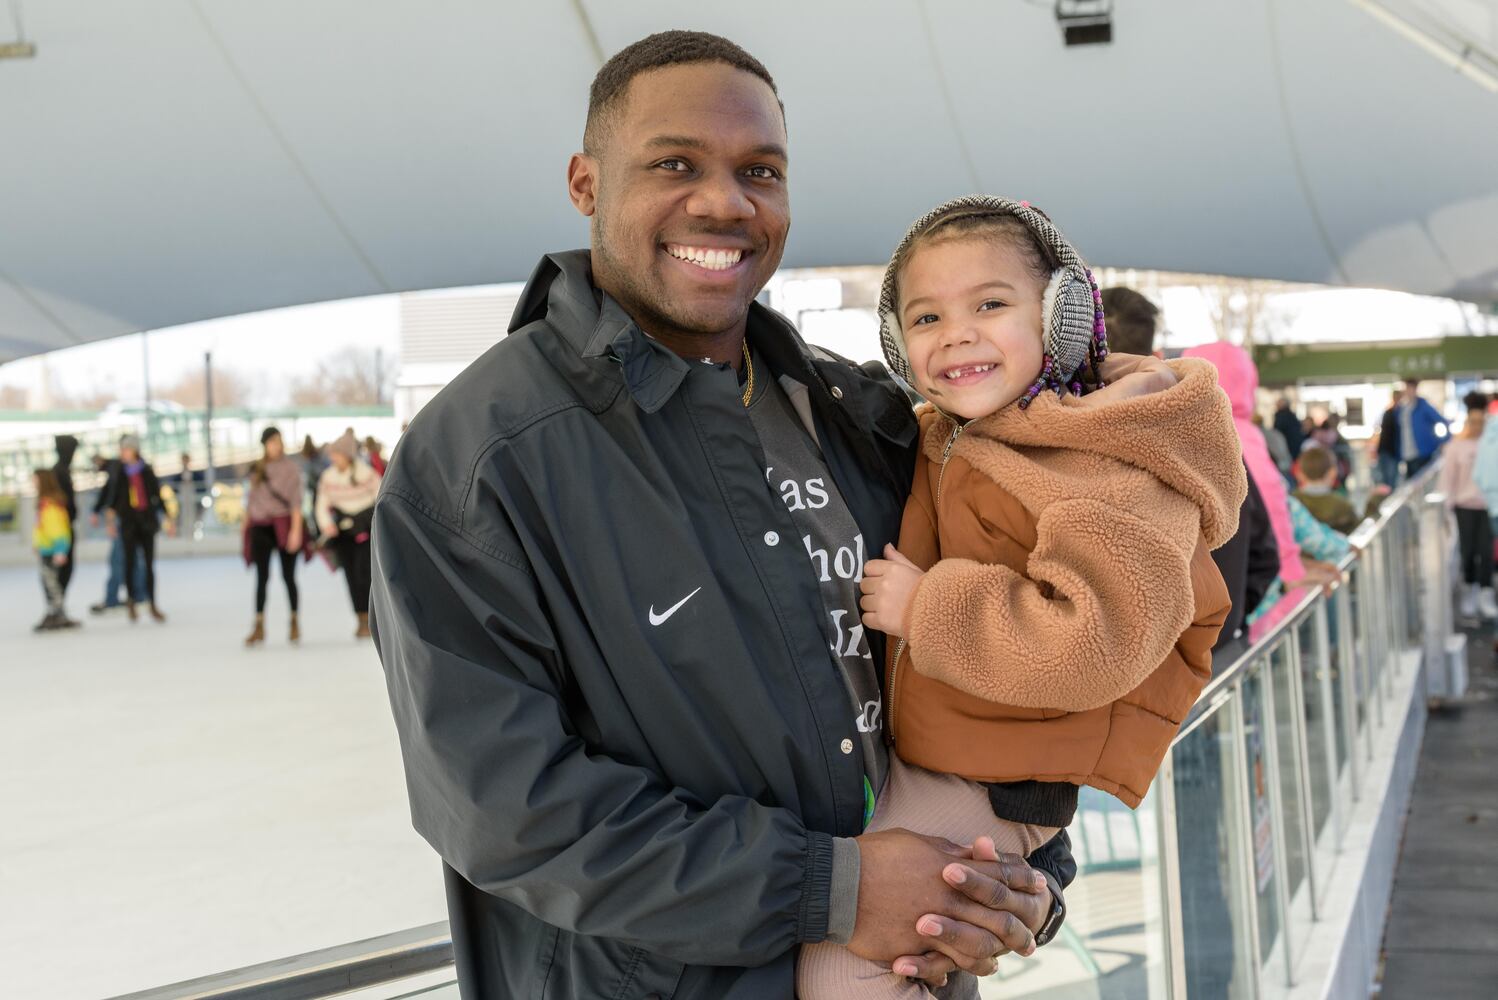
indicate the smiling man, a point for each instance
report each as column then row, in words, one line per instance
column 616, row 598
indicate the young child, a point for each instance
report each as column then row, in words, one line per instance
column 53, row 540
column 1053, row 594
column 1316, row 472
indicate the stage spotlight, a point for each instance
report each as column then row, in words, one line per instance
column 1085, row 22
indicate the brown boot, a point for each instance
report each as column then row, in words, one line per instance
column 296, row 630
column 156, row 614
column 362, row 632
column 257, row 635
column 130, row 609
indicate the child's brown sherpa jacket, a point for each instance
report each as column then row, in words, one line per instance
column 1065, row 625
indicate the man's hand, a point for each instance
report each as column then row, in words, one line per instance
column 888, row 587
column 1129, row 375
column 936, row 906
column 1019, row 893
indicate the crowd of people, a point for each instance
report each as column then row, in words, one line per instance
column 317, row 502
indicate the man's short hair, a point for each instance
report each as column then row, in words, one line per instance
column 1130, row 318
column 666, row 48
column 1315, row 463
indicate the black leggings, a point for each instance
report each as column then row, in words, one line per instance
column 138, row 535
column 354, row 556
column 1475, row 535
column 65, row 573
column 262, row 544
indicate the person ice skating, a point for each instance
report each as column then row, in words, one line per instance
column 274, row 527
column 52, row 538
column 346, row 494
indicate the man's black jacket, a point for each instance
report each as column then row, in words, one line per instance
column 604, row 649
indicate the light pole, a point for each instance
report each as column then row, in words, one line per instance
column 145, row 364
column 208, row 477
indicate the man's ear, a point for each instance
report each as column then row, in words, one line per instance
column 582, row 182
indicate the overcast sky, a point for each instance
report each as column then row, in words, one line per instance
column 268, row 347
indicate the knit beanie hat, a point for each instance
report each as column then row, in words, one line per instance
column 129, row 441
column 346, row 445
column 1072, row 331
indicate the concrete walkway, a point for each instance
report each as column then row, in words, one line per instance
column 175, row 805
column 1442, row 935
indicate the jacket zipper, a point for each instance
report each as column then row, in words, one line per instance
column 894, row 667
column 945, row 455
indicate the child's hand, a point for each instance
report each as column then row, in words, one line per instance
column 1128, row 376
column 888, row 587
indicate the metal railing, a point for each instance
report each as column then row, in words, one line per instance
column 1208, row 889
column 324, row 973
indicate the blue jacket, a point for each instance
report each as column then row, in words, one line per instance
column 1423, row 422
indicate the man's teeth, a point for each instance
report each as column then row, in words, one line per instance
column 966, row 370
column 713, row 260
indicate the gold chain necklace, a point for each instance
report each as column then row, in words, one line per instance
column 749, row 381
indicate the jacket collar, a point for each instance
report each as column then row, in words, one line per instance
column 561, row 291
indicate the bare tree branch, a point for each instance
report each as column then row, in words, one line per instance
column 355, row 377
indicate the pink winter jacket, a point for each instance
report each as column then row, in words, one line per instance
column 1239, row 378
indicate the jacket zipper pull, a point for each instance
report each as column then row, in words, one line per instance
column 952, row 440
column 941, row 476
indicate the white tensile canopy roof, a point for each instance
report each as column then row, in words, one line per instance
column 163, row 162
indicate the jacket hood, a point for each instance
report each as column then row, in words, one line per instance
column 1239, row 378
column 1184, row 436
column 1236, row 373
column 67, row 447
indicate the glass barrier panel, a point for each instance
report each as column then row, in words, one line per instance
column 1213, row 841
column 1369, row 669
column 1283, row 669
column 1113, row 942
column 1267, row 854
column 1413, row 583
column 1350, row 765
column 1338, row 665
column 1393, row 615
column 1373, row 620
column 1362, row 654
column 1318, row 685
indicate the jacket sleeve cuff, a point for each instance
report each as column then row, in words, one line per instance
column 816, row 889
column 843, row 910
column 1054, row 885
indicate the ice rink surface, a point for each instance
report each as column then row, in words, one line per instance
column 176, row 805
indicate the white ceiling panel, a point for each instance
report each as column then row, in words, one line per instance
column 164, row 161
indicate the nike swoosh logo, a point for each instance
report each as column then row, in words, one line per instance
column 660, row 619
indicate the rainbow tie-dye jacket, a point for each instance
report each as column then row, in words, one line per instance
column 53, row 534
